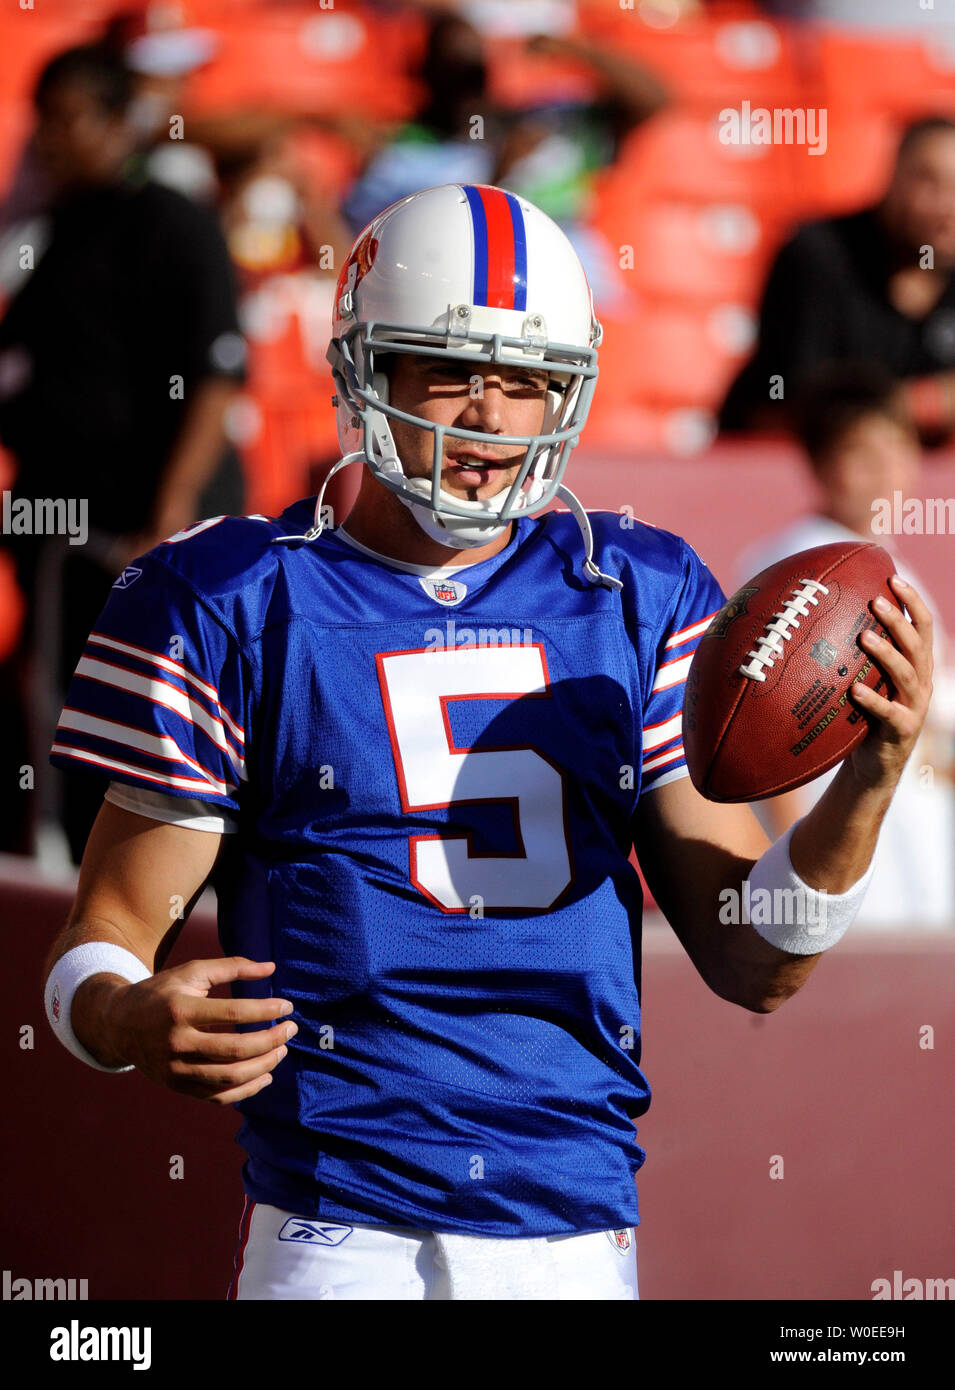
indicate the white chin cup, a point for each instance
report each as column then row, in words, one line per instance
column 460, row 532
column 463, row 532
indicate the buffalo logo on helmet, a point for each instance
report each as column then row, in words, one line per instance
column 356, row 267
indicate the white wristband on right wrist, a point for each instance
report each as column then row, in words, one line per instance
column 69, row 972
column 802, row 920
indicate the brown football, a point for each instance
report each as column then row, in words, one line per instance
column 766, row 706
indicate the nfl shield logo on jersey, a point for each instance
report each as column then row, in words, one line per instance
column 621, row 1239
column 445, row 591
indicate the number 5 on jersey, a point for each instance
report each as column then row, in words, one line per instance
column 416, row 688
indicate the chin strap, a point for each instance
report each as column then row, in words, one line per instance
column 318, row 525
column 593, row 573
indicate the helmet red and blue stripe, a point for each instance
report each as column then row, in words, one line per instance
column 500, row 247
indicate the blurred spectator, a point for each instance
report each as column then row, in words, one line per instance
column 163, row 50
column 862, row 446
column 173, row 145
column 275, row 220
column 877, row 284
column 436, row 148
column 549, row 154
column 119, row 356
column 160, row 52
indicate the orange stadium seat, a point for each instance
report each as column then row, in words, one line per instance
column 676, row 355
column 680, row 155
column 905, row 77
column 857, row 163
column 30, row 38
column 671, row 431
column 709, row 61
column 208, row 12
column 702, row 252
column 287, row 423
column 292, row 438
column 326, row 160
column 521, row 79
column 310, row 60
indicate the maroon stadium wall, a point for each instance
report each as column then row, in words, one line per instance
column 834, row 1094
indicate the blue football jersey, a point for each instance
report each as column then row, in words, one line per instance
column 434, row 779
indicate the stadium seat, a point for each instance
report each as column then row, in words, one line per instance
column 521, row 79
column 326, row 160
column 684, row 251
column 675, row 355
column 712, row 62
column 305, row 59
column 857, row 163
column 30, row 38
column 292, row 437
column 894, row 75
column 680, row 155
column 286, row 422
column 677, row 432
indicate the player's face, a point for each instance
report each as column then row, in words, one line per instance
column 920, row 203
column 493, row 399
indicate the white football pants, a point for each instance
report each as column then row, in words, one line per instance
column 283, row 1256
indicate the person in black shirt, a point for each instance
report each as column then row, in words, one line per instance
column 875, row 285
column 119, row 356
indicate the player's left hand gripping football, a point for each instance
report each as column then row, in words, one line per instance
column 906, row 660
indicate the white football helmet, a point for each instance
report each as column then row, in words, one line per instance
column 475, row 274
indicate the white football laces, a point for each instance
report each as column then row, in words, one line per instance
column 777, row 632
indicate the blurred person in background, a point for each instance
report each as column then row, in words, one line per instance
column 275, row 220
column 173, row 144
column 874, row 285
column 548, row 154
column 160, row 51
column 861, row 445
column 164, row 49
column 119, row 356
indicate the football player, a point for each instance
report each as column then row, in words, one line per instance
column 417, row 749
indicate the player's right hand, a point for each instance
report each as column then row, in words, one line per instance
column 172, row 1032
